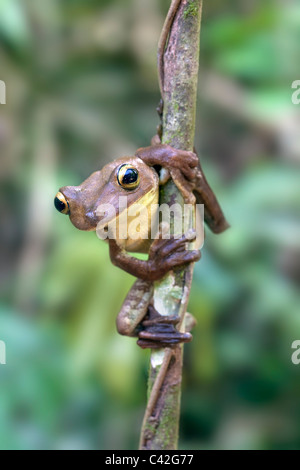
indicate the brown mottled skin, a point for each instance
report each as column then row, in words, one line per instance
column 102, row 187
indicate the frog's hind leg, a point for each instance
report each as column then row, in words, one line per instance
column 134, row 308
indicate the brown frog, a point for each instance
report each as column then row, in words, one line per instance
column 137, row 178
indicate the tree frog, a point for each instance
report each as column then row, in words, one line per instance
column 138, row 178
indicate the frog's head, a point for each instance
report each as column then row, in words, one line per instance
column 126, row 177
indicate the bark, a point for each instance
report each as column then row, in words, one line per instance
column 181, row 64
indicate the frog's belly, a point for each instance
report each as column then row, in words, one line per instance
column 136, row 226
column 135, row 246
column 139, row 233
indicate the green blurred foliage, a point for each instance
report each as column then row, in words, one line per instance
column 82, row 90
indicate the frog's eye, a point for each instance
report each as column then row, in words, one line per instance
column 61, row 204
column 128, row 177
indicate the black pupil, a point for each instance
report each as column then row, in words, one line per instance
column 130, row 176
column 59, row 205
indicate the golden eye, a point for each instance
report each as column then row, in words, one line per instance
column 128, row 177
column 61, row 204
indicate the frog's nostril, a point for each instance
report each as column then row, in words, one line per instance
column 61, row 204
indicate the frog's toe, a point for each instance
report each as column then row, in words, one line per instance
column 177, row 244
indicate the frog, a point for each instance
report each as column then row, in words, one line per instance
column 138, row 179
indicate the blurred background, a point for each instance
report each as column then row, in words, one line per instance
column 81, row 91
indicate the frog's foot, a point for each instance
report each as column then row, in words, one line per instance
column 158, row 331
column 167, row 254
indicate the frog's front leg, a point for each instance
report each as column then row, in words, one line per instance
column 186, row 172
column 164, row 255
column 170, row 158
column 181, row 166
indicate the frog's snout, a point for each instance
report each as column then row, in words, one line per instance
column 61, row 203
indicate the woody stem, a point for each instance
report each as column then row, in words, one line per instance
column 160, row 427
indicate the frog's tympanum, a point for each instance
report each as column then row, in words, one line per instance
column 137, row 179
